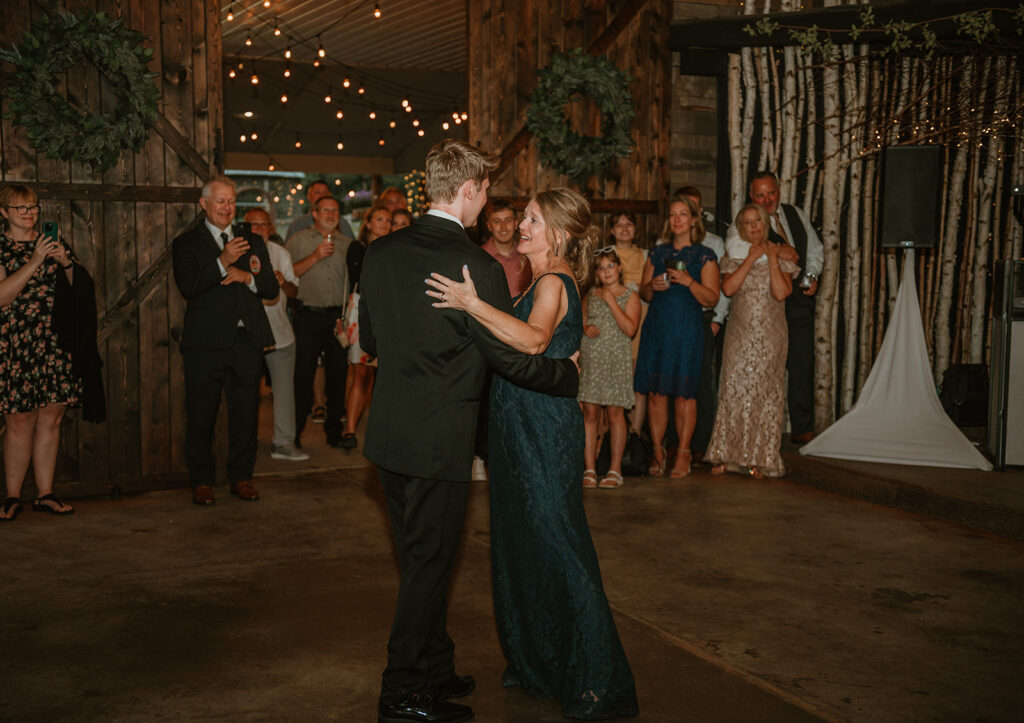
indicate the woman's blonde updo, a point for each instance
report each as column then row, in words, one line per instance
column 570, row 234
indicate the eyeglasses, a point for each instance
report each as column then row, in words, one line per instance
column 23, row 209
column 605, row 250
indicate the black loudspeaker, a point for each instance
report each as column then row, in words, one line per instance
column 911, row 177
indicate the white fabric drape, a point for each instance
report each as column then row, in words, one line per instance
column 898, row 418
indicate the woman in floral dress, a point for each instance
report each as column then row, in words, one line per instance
column 36, row 381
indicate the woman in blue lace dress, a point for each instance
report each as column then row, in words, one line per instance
column 553, row 618
column 680, row 277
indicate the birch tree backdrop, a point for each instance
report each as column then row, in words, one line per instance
column 820, row 116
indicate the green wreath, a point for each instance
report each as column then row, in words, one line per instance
column 569, row 76
column 57, row 128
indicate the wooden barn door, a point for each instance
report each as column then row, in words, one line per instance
column 121, row 223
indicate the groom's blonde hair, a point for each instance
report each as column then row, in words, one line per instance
column 451, row 163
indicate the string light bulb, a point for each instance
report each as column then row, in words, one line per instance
column 373, row 114
column 232, row 74
column 298, row 141
column 254, row 135
column 248, row 41
column 381, row 141
column 339, row 115
column 316, row 62
column 255, row 79
column 376, row 10
column 445, row 126
column 361, row 89
column 288, row 52
column 284, row 99
column 277, row 29
column 231, row 13
column 392, row 124
column 346, row 82
column 320, row 50
column 242, row 138
column 327, row 96
column 340, row 145
column 415, row 122
column 270, row 167
column 248, row 114
column 288, row 70
column 266, row 3
column 420, row 132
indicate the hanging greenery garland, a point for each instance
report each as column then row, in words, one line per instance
column 570, row 76
column 54, row 125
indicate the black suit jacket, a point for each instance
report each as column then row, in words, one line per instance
column 433, row 362
column 212, row 310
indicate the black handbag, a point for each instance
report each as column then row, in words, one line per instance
column 636, row 457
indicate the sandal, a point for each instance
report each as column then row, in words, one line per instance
column 682, row 466
column 12, row 508
column 755, row 472
column 611, row 480
column 589, row 479
column 657, row 468
column 319, row 414
column 49, row 503
column 718, row 469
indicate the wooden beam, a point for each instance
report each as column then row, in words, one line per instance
column 134, row 295
column 726, row 33
column 521, row 138
column 101, row 192
column 180, row 145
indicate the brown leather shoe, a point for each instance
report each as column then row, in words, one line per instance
column 803, row 438
column 245, row 491
column 203, row 495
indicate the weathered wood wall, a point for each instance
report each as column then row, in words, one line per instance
column 510, row 40
column 121, row 223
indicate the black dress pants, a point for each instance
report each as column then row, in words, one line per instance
column 235, row 372
column 707, row 392
column 800, row 362
column 426, row 519
column 314, row 333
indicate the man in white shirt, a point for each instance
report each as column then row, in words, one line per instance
column 790, row 225
column 281, row 359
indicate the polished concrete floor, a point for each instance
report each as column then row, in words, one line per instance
column 736, row 599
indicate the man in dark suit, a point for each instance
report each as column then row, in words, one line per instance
column 223, row 277
column 792, row 227
column 421, row 426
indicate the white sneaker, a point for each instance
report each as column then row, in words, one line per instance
column 479, row 471
column 288, row 451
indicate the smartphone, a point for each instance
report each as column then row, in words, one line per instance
column 50, row 229
column 242, row 228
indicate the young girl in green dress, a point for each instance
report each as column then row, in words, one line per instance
column 611, row 317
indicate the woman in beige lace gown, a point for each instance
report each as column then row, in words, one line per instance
column 757, row 274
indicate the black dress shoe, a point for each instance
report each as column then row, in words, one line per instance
column 422, row 706
column 457, row 686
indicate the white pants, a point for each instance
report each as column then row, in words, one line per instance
column 281, row 363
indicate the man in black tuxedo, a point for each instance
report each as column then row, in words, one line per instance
column 223, row 277
column 421, row 426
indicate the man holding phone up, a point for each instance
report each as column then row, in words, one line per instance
column 223, row 273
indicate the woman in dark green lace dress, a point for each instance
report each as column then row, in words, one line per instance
column 554, row 622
